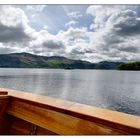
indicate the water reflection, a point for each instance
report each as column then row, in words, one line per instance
column 116, row 90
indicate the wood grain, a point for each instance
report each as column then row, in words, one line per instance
column 3, row 93
column 19, row 127
column 57, row 122
column 69, row 118
column 3, row 103
column 22, row 127
column 42, row 131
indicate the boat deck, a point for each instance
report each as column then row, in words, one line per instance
column 23, row 113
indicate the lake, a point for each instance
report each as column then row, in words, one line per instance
column 111, row 89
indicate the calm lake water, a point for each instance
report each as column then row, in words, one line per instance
column 112, row 89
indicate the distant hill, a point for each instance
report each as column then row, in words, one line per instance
column 26, row 60
column 107, row 65
column 130, row 66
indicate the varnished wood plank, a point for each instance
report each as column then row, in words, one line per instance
column 3, row 103
column 42, row 131
column 20, row 127
column 3, row 93
column 4, row 97
column 56, row 122
column 111, row 120
column 39, row 99
column 115, row 119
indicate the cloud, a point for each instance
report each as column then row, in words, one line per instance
column 34, row 11
column 47, row 44
column 125, row 23
column 36, row 8
column 73, row 35
column 53, row 44
column 76, row 41
column 17, row 36
column 128, row 48
column 114, row 36
column 14, row 27
column 4, row 49
column 70, row 43
column 12, row 34
column 101, row 13
column 80, row 51
column 75, row 15
column 118, row 39
column 71, row 23
column 15, row 32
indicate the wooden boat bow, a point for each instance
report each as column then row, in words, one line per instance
column 24, row 113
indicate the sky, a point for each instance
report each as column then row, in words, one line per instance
column 87, row 32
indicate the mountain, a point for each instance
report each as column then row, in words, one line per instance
column 26, row 60
column 107, row 65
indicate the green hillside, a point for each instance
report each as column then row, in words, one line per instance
column 26, row 60
column 130, row 66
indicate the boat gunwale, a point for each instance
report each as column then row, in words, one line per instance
column 85, row 112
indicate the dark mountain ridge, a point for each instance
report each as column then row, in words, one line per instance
column 27, row 60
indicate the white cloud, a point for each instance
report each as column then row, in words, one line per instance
column 36, row 8
column 102, row 12
column 115, row 35
column 76, row 42
column 15, row 31
column 47, row 44
column 73, row 34
column 75, row 15
column 118, row 39
column 14, row 27
column 71, row 23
